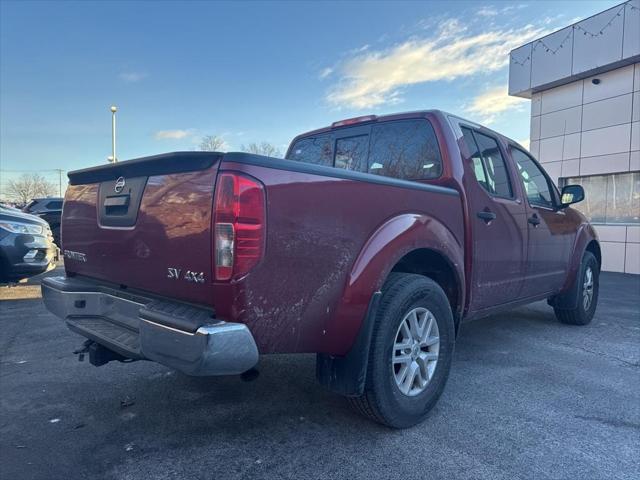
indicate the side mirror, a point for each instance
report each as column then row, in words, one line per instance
column 571, row 194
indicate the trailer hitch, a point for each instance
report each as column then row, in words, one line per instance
column 98, row 354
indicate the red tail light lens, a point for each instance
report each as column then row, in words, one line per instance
column 239, row 225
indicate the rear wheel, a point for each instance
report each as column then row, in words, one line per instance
column 411, row 352
column 588, row 285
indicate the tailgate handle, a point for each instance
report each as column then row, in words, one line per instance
column 116, row 205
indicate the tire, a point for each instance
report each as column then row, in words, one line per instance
column 4, row 270
column 583, row 313
column 383, row 401
column 55, row 231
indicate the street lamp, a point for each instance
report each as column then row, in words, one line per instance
column 113, row 157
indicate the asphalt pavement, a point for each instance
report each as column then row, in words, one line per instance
column 528, row 397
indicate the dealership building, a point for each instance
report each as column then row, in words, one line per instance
column 584, row 86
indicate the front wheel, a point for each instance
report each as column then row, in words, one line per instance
column 588, row 284
column 411, row 352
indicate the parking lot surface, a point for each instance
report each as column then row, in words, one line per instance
column 528, row 397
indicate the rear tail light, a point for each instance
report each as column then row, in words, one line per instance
column 239, row 225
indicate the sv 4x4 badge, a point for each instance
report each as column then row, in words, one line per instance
column 189, row 276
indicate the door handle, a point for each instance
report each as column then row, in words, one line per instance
column 534, row 220
column 486, row 215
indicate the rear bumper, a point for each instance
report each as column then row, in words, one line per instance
column 180, row 336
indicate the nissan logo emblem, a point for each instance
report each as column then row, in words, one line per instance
column 119, row 185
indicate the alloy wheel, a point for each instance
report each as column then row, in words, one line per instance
column 415, row 351
column 587, row 289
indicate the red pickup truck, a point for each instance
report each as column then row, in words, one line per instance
column 368, row 245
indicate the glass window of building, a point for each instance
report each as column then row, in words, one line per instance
column 610, row 199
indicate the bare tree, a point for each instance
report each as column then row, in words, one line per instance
column 211, row 143
column 264, row 148
column 29, row 186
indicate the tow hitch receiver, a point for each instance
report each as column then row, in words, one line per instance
column 99, row 355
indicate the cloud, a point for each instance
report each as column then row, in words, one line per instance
column 487, row 12
column 172, row 134
column 493, row 102
column 375, row 78
column 131, row 77
column 326, row 72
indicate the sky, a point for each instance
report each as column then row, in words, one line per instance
column 248, row 71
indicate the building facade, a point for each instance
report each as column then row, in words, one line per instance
column 584, row 86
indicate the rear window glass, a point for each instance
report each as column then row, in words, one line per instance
column 406, row 149
column 351, row 153
column 316, row 150
column 55, row 205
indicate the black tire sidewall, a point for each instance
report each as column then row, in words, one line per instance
column 398, row 409
column 589, row 260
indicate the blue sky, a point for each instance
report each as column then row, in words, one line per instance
column 249, row 72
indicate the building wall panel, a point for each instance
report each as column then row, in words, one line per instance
column 613, row 256
column 632, row 29
column 602, row 164
column 549, row 61
column 520, row 69
column 561, row 122
column 559, row 98
column 612, row 84
column 604, row 141
column 607, row 113
column 598, row 40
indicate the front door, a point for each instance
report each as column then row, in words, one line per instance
column 550, row 236
column 498, row 222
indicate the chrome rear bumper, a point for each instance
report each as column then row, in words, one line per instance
column 120, row 321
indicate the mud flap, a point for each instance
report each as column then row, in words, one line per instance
column 347, row 375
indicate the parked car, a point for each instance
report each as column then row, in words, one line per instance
column 369, row 245
column 26, row 245
column 49, row 209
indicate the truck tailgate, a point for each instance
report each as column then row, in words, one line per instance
column 132, row 222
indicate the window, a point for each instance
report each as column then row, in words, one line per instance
column 488, row 164
column 54, row 205
column 610, row 199
column 405, row 149
column 478, row 169
column 316, row 150
column 536, row 185
column 351, row 153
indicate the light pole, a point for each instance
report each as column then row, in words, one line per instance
column 59, row 170
column 113, row 158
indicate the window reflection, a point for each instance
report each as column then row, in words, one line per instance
column 535, row 182
column 610, row 199
column 488, row 164
column 351, row 153
column 315, row 150
column 405, row 149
